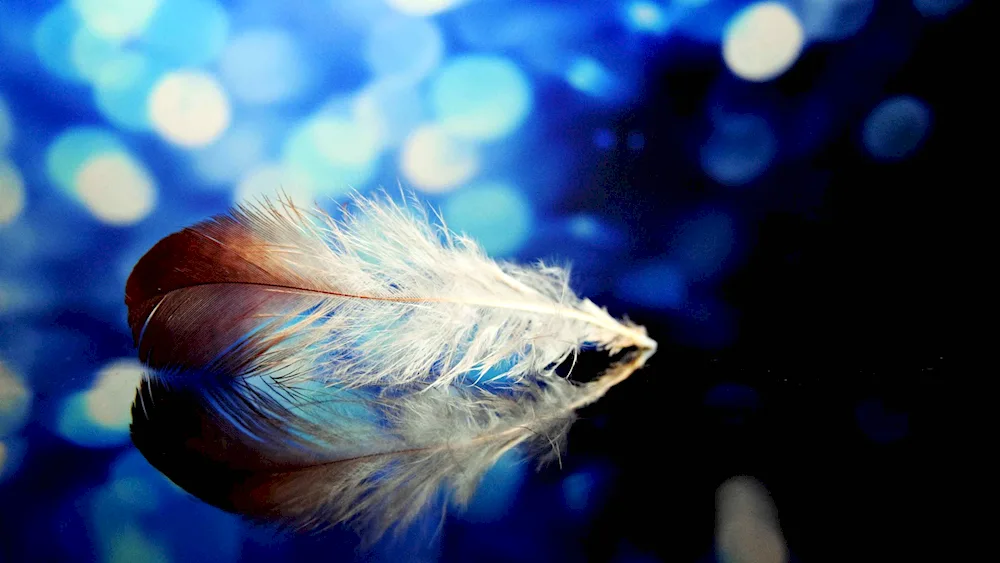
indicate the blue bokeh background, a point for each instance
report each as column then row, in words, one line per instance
column 771, row 187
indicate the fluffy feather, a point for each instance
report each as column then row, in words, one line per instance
column 311, row 370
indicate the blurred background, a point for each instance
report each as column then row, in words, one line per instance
column 772, row 187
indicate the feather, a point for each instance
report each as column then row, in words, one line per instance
column 312, row 370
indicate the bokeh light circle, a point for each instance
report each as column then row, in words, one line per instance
column 189, row 108
column 739, row 150
column 495, row 214
column 263, row 66
column 51, row 44
column 896, row 128
column 762, row 41
column 187, row 32
column 100, row 416
column 15, row 401
column 271, row 180
column 423, row 7
column 481, row 97
column 116, row 188
column 404, row 47
column 116, row 19
column 74, row 146
column 11, row 192
column 434, row 161
column 833, row 20
column 335, row 153
column 122, row 85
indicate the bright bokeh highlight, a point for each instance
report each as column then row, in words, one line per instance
column 51, row 43
column 15, row 401
column 434, row 161
column 481, row 97
column 591, row 77
column 739, row 150
column 72, row 148
column 762, row 41
column 264, row 66
column 833, row 20
column 11, row 192
column 423, row 7
column 657, row 285
column 189, row 108
column 116, row 188
column 646, row 16
column 270, row 180
column 100, row 416
column 122, row 86
column 117, row 20
column 405, row 48
column 496, row 215
column 896, row 128
column 187, row 32
column 334, row 153
column 240, row 148
column 391, row 108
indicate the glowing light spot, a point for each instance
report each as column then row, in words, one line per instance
column 264, row 66
column 273, row 179
column 130, row 543
column 701, row 245
column 739, row 150
column 116, row 19
column 407, row 48
column 100, row 416
column 336, row 154
column 746, row 525
column 11, row 192
column 762, row 41
column 116, row 189
column 481, row 97
column 646, row 16
column 938, row 8
column 496, row 215
column 6, row 126
column 896, row 128
column 658, row 285
column 50, row 41
column 15, row 401
column 424, row 7
column 499, row 487
column 577, row 490
column 72, row 148
column 434, row 161
column 189, row 108
column 392, row 108
column 604, row 139
column 122, row 85
column 91, row 53
column 832, row 20
column 188, row 32
column 590, row 77
column 238, row 150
